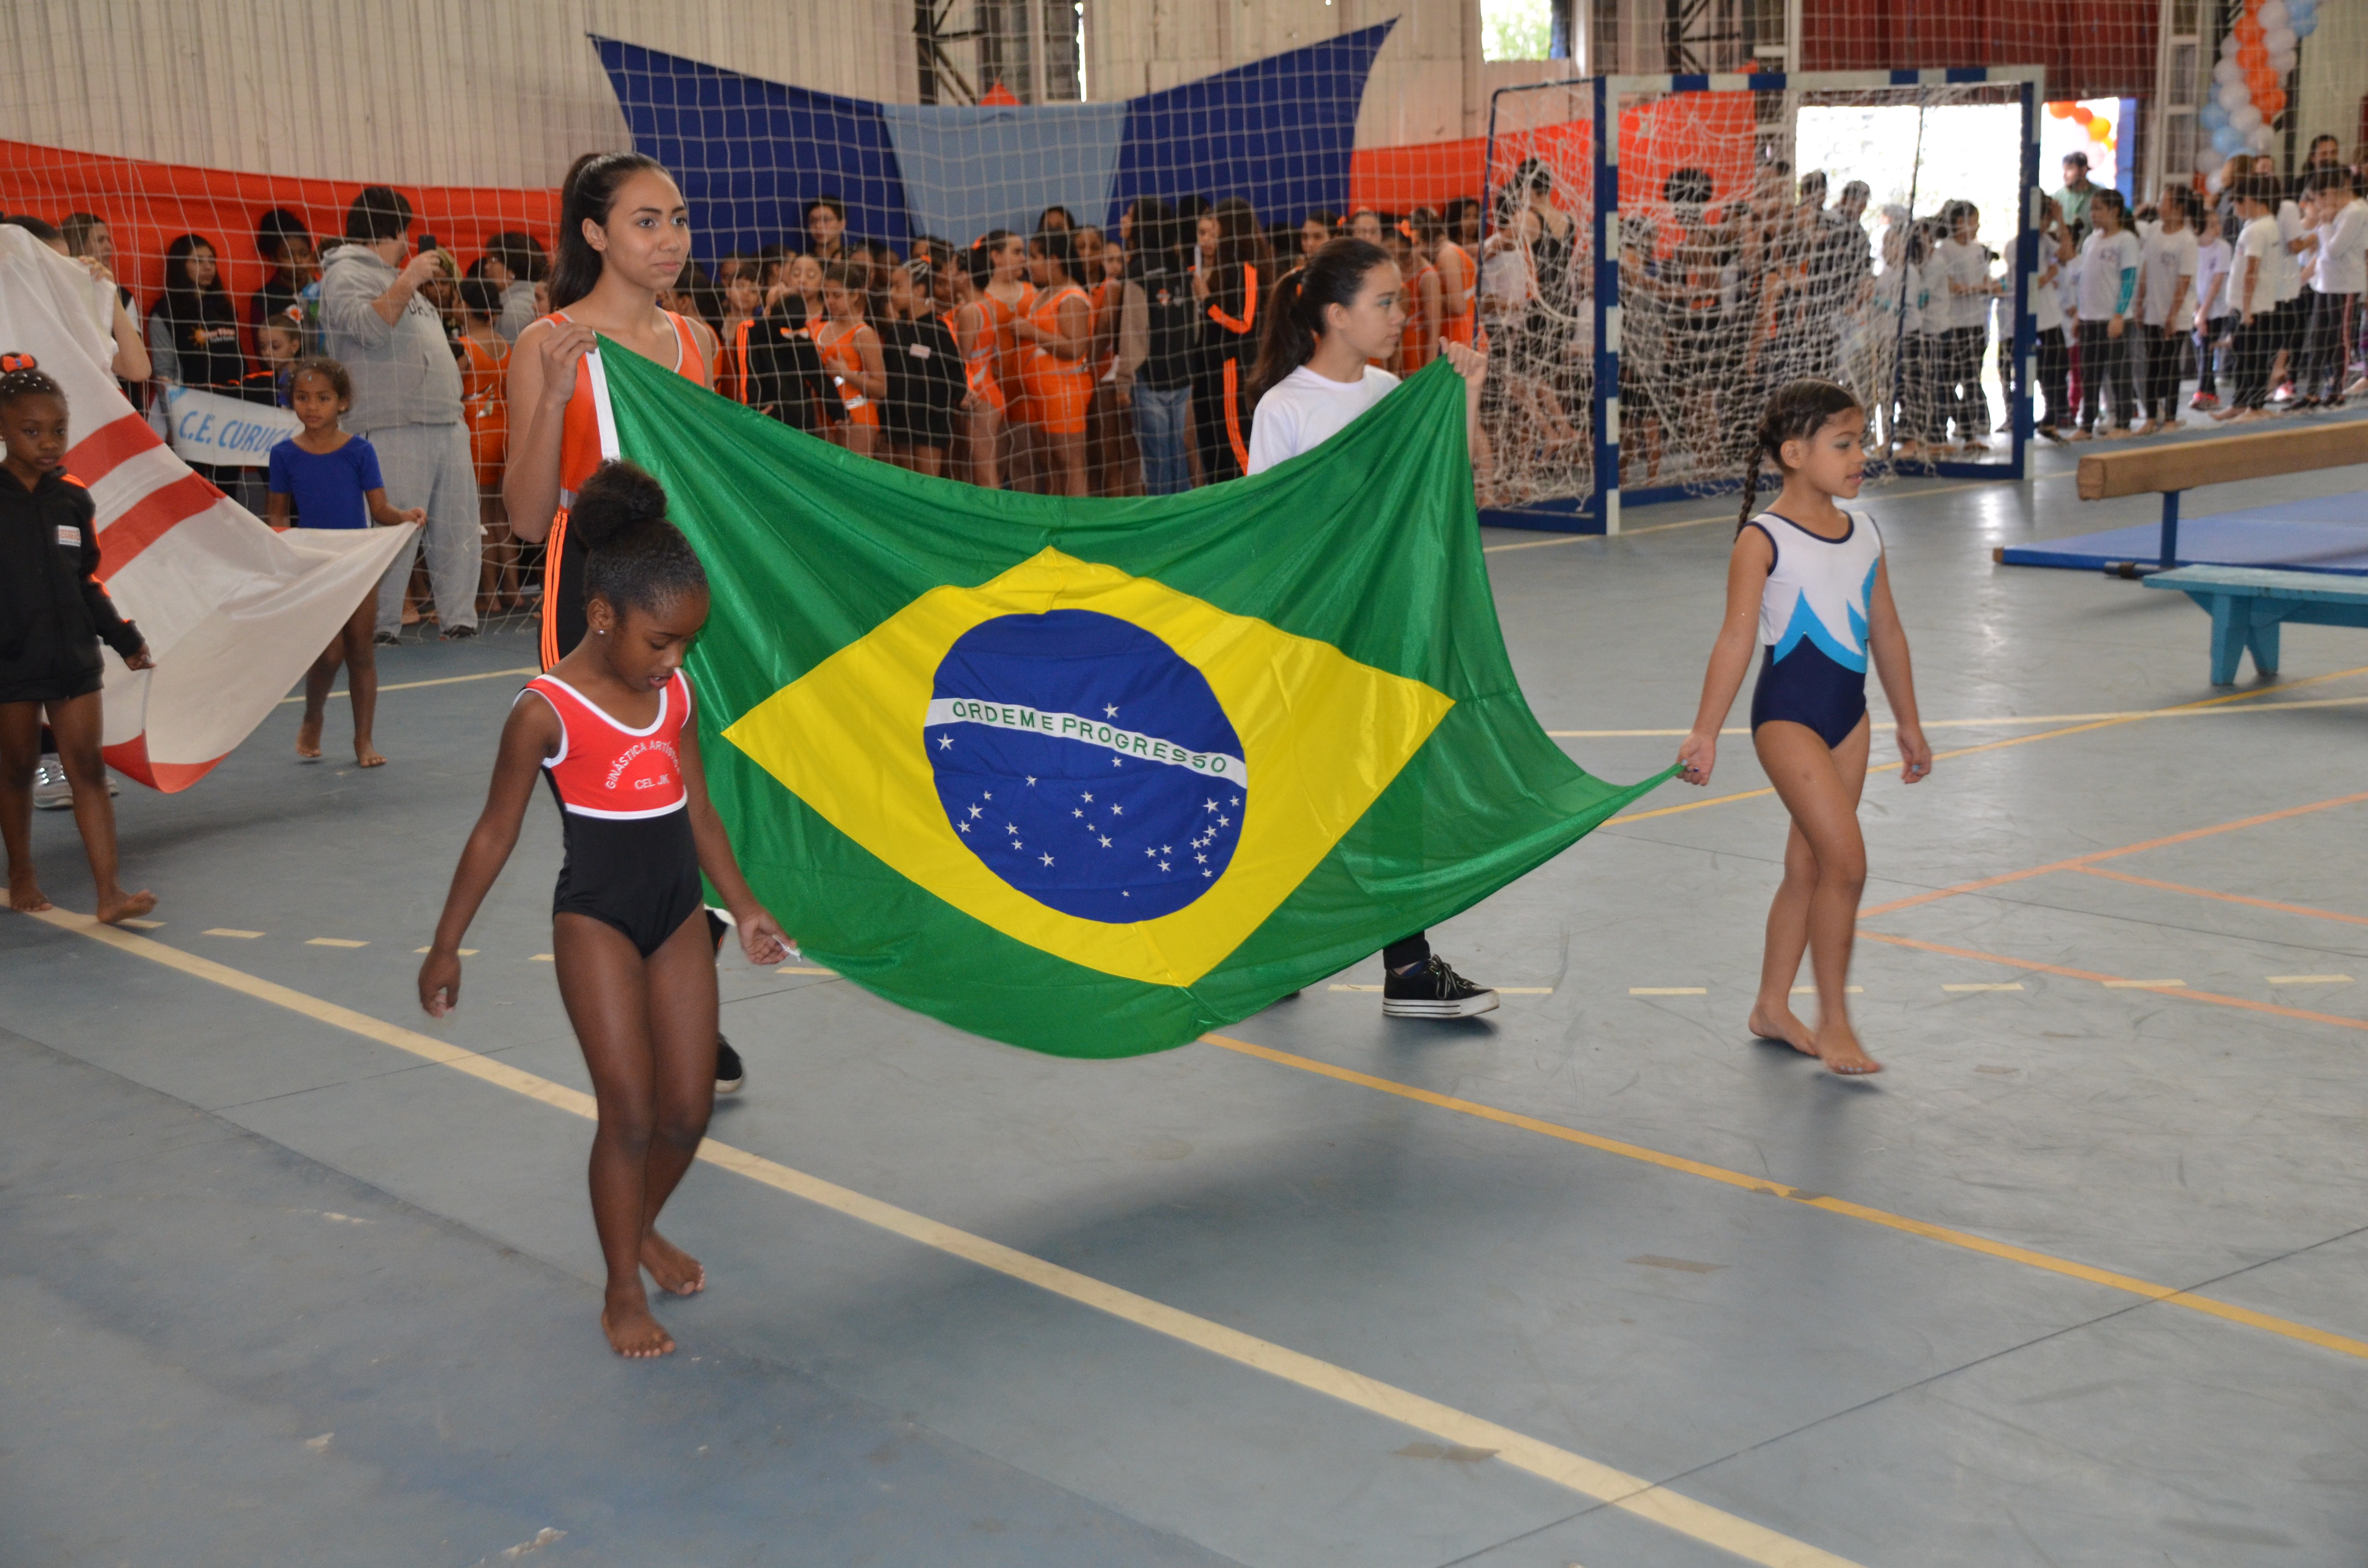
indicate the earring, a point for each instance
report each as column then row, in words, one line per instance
column 600, row 631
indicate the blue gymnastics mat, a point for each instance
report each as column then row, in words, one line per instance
column 2329, row 534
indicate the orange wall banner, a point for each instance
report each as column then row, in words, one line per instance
column 148, row 205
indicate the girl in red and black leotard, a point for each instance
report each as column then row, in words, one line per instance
column 610, row 727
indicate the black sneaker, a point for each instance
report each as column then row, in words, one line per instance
column 729, row 1074
column 1434, row 990
column 386, row 639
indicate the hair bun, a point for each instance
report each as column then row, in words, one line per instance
column 619, row 499
column 12, row 363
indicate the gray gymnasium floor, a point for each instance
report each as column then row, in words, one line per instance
column 1593, row 1280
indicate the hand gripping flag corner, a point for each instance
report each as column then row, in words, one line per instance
column 1095, row 777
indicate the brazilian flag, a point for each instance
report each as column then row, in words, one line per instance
column 1095, row 777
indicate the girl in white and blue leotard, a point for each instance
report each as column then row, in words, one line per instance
column 1806, row 582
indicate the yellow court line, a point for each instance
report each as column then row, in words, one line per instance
column 1631, row 1493
column 2015, row 741
column 445, row 680
column 2165, row 1294
column 2005, row 721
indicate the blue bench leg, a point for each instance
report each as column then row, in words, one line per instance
column 2263, row 641
column 2232, row 629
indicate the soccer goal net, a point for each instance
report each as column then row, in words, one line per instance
column 1663, row 253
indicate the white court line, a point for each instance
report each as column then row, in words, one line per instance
column 2002, row 723
column 1987, row 985
column 1631, row 1493
column 1668, row 990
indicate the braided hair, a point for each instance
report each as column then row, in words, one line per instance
column 634, row 557
column 1798, row 411
column 22, row 376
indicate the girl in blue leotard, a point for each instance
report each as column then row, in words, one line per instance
column 1806, row 581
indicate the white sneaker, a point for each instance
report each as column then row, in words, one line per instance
column 52, row 792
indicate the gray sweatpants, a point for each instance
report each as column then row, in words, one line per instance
column 429, row 465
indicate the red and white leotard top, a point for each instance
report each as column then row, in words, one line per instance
column 602, row 768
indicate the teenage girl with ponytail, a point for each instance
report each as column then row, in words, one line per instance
column 624, row 235
column 1326, row 322
column 1806, row 580
column 610, row 728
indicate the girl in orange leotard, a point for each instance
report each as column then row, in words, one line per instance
column 974, row 328
column 554, row 433
column 1457, row 277
column 850, row 352
column 1420, row 296
column 483, row 367
column 1007, row 296
column 1059, row 369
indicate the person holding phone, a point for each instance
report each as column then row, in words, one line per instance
column 376, row 321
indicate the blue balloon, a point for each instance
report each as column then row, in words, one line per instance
column 2228, row 141
column 2304, row 26
column 2213, row 116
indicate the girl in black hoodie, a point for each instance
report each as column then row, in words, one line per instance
column 53, row 615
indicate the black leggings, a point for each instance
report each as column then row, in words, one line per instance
column 2326, row 346
column 2055, row 378
column 2105, row 377
column 1968, row 402
column 2160, row 400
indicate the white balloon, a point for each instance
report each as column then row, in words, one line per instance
column 2260, row 137
column 2234, row 96
column 2227, row 70
column 2247, row 119
column 2282, row 61
column 2281, row 41
column 2228, row 46
column 2271, row 16
column 2211, row 181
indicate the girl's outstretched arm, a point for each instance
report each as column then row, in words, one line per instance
column 1730, row 656
column 761, row 937
column 531, row 735
column 1888, row 641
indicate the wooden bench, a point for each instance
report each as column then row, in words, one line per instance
column 2249, row 603
column 2172, row 467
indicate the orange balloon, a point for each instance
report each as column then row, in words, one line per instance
column 2061, row 112
column 2271, row 103
column 2261, row 82
column 2081, row 114
column 2101, row 130
column 2248, row 28
column 2252, row 58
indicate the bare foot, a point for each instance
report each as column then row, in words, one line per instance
column 673, row 1268
column 1780, row 1023
column 125, row 906
column 632, row 1332
column 367, row 754
column 1839, row 1049
column 308, row 738
column 25, row 894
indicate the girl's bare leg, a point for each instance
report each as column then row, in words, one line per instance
column 76, row 725
column 20, row 753
column 1067, row 453
column 985, row 434
column 1820, row 788
column 317, row 681
column 863, row 440
column 361, row 684
column 646, row 1133
column 930, row 460
column 683, row 1005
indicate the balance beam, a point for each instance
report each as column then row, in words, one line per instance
column 2226, row 460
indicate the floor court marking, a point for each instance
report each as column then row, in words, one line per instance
column 2164, row 1294
column 2308, row 979
column 2012, row 741
column 1729, row 517
column 2004, row 721
column 2076, row 862
column 415, row 684
column 1616, row 1488
column 2225, row 897
column 2178, row 988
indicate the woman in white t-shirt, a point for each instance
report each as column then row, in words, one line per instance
column 1966, row 285
column 2166, row 284
column 2213, row 253
column 2256, row 284
column 2337, row 280
column 2109, row 281
column 1326, row 322
column 2047, row 292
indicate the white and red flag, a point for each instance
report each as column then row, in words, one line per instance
column 232, row 611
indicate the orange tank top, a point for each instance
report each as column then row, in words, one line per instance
column 579, row 440
column 978, row 353
column 1455, row 304
column 1007, row 342
column 843, row 357
column 1045, row 314
column 1415, row 343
